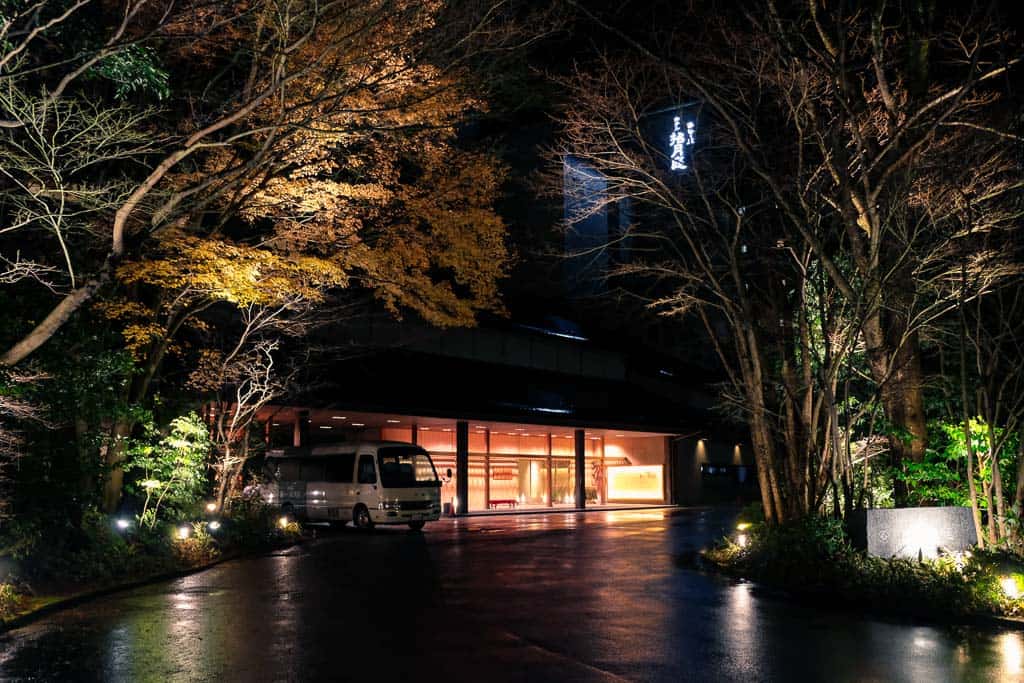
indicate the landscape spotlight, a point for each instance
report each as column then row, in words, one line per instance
column 214, row 525
column 211, row 507
column 123, row 524
column 183, row 532
column 1010, row 587
column 741, row 540
column 282, row 521
column 742, row 526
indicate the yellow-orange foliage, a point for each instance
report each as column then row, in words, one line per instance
column 360, row 171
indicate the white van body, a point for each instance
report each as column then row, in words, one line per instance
column 382, row 482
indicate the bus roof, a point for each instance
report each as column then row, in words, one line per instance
column 334, row 448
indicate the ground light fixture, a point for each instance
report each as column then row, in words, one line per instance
column 184, row 531
column 282, row 521
column 211, row 507
column 214, row 525
column 122, row 524
column 1010, row 587
column 741, row 538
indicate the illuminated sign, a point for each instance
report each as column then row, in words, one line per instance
column 636, row 482
column 678, row 141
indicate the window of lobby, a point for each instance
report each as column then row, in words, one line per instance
column 509, row 466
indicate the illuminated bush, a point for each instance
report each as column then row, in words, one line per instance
column 814, row 557
column 170, row 471
column 197, row 548
column 9, row 601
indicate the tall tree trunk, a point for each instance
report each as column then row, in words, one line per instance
column 972, row 489
column 123, row 426
column 895, row 362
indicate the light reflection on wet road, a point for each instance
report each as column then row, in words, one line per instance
column 558, row 597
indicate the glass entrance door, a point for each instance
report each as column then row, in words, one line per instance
column 533, row 481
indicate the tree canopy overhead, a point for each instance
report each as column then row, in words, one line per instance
column 301, row 130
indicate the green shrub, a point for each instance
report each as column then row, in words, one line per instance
column 814, row 556
column 10, row 601
column 171, row 477
column 198, row 549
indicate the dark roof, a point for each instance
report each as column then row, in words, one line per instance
column 421, row 384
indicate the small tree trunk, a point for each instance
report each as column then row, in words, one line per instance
column 997, row 481
column 113, row 462
column 1018, row 496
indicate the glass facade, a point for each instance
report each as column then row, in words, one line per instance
column 528, row 467
column 514, row 466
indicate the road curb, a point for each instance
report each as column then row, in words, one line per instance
column 80, row 598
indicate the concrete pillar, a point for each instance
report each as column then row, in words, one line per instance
column 667, row 487
column 551, row 474
column 687, row 456
column 487, row 469
column 415, row 434
column 581, row 472
column 462, row 466
column 300, row 434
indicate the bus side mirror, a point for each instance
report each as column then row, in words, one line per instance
column 449, row 472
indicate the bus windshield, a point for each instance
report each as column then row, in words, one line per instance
column 405, row 468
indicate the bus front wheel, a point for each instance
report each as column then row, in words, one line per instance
column 361, row 518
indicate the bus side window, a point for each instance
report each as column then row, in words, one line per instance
column 312, row 469
column 339, row 468
column 367, row 473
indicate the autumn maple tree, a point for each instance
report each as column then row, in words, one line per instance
column 267, row 156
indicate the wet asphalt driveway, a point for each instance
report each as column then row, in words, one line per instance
column 557, row 597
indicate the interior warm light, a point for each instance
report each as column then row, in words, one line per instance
column 636, row 482
column 338, row 417
column 424, row 429
column 394, row 422
column 357, row 424
column 326, row 427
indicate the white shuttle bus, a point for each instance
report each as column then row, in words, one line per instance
column 384, row 482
